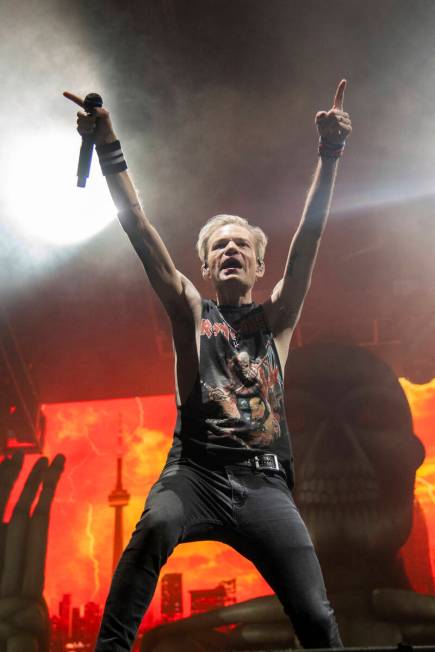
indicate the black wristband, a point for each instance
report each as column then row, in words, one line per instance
column 111, row 158
column 330, row 150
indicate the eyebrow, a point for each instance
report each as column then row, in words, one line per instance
column 240, row 239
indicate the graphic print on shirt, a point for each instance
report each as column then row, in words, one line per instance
column 247, row 405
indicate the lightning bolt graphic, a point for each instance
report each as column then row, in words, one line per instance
column 70, row 478
column 93, row 445
column 91, row 549
column 139, row 405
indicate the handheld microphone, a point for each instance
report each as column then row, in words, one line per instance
column 92, row 101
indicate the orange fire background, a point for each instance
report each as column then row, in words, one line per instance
column 80, row 548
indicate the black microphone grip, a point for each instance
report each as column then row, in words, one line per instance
column 92, row 101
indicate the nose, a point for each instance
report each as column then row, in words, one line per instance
column 349, row 449
column 230, row 248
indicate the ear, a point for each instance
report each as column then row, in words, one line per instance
column 205, row 271
column 260, row 269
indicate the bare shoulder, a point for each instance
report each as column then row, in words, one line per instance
column 280, row 314
column 187, row 309
column 280, row 323
column 192, row 296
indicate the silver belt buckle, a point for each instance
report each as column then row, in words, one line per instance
column 267, row 461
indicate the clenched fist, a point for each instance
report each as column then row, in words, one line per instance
column 98, row 123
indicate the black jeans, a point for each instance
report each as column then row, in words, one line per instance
column 253, row 511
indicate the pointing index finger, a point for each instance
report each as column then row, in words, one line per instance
column 74, row 98
column 339, row 95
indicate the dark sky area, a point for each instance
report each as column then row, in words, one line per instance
column 214, row 102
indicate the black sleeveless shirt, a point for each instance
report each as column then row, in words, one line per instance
column 236, row 407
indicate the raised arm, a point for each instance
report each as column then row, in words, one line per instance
column 288, row 295
column 174, row 290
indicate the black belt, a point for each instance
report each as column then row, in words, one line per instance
column 265, row 462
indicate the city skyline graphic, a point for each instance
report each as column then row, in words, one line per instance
column 100, row 440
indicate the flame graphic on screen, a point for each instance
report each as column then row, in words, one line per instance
column 94, row 560
column 421, row 399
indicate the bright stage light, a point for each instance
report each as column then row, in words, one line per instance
column 40, row 190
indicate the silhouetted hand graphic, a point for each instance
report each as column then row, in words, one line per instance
column 24, row 621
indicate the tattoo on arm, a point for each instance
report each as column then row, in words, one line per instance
column 130, row 207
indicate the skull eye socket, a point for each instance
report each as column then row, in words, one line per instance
column 303, row 413
column 377, row 413
column 369, row 412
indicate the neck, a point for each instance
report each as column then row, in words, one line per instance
column 225, row 297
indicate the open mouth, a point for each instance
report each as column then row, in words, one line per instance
column 231, row 263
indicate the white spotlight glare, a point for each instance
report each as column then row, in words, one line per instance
column 41, row 194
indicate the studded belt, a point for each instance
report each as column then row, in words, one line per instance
column 267, row 461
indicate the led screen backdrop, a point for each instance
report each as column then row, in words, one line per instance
column 92, row 435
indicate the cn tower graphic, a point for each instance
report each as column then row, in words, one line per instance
column 118, row 499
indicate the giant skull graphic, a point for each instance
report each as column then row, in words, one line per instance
column 355, row 452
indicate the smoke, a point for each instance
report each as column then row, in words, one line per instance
column 214, row 104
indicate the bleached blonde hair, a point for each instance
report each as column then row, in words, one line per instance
column 215, row 222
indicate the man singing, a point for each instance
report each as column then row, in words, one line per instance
column 229, row 473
